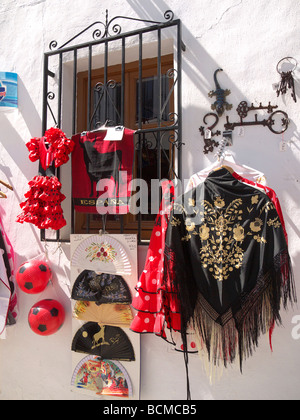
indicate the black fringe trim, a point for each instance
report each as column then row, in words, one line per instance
column 230, row 336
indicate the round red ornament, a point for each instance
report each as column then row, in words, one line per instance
column 33, row 276
column 46, row 317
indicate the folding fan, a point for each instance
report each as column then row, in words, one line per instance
column 101, row 288
column 104, row 341
column 114, row 314
column 102, row 253
column 103, row 377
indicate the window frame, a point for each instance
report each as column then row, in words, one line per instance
column 53, row 104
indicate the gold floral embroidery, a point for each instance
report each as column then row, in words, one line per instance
column 256, row 225
column 259, row 239
column 275, row 223
column 190, row 226
column 219, row 203
column 238, row 233
column 221, row 235
column 222, row 231
column 175, row 222
column 204, row 232
column 192, row 202
column 186, row 238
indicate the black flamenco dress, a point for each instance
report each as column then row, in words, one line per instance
column 42, row 206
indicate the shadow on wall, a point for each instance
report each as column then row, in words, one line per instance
column 198, row 67
column 15, row 125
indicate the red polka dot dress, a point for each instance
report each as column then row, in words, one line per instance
column 155, row 301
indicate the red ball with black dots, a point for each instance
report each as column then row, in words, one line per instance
column 46, row 317
column 33, row 276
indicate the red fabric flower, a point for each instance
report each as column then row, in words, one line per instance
column 54, row 134
column 33, row 148
column 42, row 207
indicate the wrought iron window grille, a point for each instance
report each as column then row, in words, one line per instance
column 103, row 105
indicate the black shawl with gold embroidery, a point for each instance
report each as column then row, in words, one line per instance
column 228, row 260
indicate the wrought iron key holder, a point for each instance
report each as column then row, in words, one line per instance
column 243, row 110
column 287, row 80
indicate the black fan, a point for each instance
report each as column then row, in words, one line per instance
column 101, row 288
column 104, row 341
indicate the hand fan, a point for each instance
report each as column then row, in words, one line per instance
column 103, row 377
column 114, row 314
column 102, row 253
column 104, row 341
column 101, row 288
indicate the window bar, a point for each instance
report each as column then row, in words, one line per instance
column 74, row 129
column 44, row 112
column 88, row 218
column 122, row 122
column 89, row 89
column 74, row 93
column 105, row 81
column 159, row 114
column 140, row 148
column 59, row 113
column 179, row 99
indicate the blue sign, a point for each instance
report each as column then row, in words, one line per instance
column 8, row 90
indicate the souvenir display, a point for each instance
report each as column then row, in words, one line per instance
column 42, row 206
column 33, row 276
column 101, row 288
column 103, row 377
column 102, row 253
column 105, row 314
column 102, row 314
column 97, row 157
column 46, row 317
column 104, row 341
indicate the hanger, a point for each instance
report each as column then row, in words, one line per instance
column 226, row 159
column 2, row 195
column 6, row 185
column 113, row 133
column 228, row 168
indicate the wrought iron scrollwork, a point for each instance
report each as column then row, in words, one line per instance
column 109, row 28
column 51, row 97
column 209, row 142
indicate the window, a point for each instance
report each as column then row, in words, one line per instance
column 76, row 100
column 106, row 105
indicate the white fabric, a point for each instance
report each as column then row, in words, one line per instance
column 228, row 160
column 5, row 294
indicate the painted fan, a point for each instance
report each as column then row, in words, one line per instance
column 101, row 288
column 103, row 377
column 104, row 341
column 114, row 314
column 102, row 253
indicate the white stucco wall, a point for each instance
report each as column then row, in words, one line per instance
column 246, row 39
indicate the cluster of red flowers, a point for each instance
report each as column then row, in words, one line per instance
column 42, row 207
column 59, row 147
